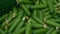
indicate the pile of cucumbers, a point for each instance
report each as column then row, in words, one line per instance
column 32, row 17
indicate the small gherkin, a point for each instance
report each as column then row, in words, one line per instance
column 6, row 5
